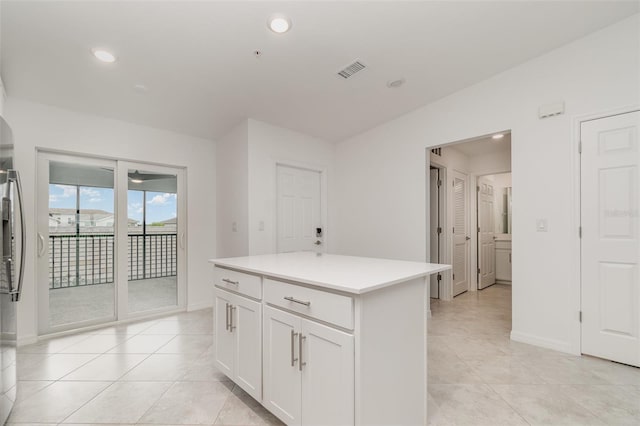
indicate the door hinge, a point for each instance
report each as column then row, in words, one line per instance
column 453, row 276
column 453, row 230
column 478, row 271
column 478, row 229
column 439, row 278
column 580, row 315
column 477, row 189
column 580, row 147
column 439, row 183
column 579, row 231
column 439, row 230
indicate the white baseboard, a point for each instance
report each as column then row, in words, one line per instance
column 198, row 306
column 556, row 345
column 27, row 340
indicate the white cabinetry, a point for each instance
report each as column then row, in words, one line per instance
column 330, row 340
column 238, row 340
column 308, row 370
column 503, row 261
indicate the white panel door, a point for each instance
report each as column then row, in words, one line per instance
column 298, row 209
column 486, row 235
column 434, row 236
column 224, row 341
column 610, row 220
column 247, row 320
column 282, row 385
column 327, row 357
column 460, row 236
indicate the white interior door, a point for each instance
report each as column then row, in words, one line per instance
column 434, row 228
column 299, row 214
column 461, row 238
column 486, row 235
column 610, row 220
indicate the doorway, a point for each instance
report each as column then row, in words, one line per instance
column 493, row 221
column 469, row 217
column 110, row 241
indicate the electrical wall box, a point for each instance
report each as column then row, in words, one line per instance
column 550, row 110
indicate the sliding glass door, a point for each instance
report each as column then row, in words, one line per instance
column 152, row 238
column 110, row 241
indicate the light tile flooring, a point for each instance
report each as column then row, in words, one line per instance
column 161, row 372
column 478, row 376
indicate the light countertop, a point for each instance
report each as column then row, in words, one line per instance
column 349, row 274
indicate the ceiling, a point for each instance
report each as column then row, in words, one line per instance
column 483, row 146
column 197, row 61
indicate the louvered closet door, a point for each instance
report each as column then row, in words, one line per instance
column 610, row 188
column 460, row 240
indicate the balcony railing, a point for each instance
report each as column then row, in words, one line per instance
column 88, row 259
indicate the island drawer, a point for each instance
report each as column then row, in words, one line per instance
column 329, row 307
column 240, row 282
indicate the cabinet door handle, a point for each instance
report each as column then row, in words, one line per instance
column 231, row 326
column 227, row 280
column 293, row 338
column 227, row 318
column 291, row 299
column 300, row 339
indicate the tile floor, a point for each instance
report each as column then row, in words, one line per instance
column 478, row 376
column 161, row 372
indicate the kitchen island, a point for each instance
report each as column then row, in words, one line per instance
column 325, row 339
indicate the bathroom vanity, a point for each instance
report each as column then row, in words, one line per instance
column 325, row 339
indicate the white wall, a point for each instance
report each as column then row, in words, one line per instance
column 381, row 173
column 36, row 125
column 232, row 194
column 269, row 145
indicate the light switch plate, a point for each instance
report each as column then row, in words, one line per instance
column 542, row 225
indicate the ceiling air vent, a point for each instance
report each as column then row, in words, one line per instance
column 350, row 70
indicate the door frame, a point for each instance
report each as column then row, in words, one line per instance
column 121, row 314
column 575, row 287
column 446, row 289
column 323, row 199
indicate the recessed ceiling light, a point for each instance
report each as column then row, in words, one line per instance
column 394, row 84
column 104, row 55
column 141, row 88
column 497, row 136
column 279, row 24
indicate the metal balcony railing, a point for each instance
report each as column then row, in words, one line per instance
column 88, row 259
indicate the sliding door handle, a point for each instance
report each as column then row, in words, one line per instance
column 41, row 245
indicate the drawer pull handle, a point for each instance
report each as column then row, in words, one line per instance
column 291, row 299
column 300, row 351
column 293, row 338
column 227, row 280
column 231, row 326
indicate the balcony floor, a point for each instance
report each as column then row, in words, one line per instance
column 74, row 304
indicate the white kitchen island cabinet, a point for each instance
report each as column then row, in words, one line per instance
column 341, row 341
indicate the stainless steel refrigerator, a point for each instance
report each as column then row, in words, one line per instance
column 12, row 246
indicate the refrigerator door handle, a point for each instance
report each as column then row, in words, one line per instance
column 14, row 177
